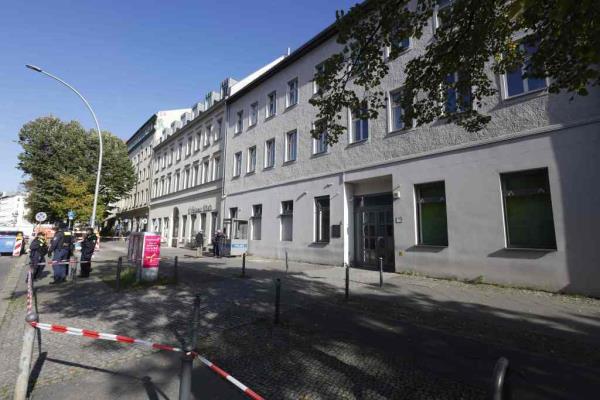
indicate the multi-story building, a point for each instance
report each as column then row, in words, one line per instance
column 187, row 169
column 132, row 211
column 515, row 203
column 13, row 212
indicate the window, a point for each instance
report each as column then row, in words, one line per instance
column 292, row 93
column 240, row 122
column 396, row 112
column 219, row 130
column 196, row 174
column 271, row 104
column 237, row 164
column 458, row 99
column 198, row 141
column 291, row 145
column 179, row 150
column 431, row 214
column 209, row 133
column 319, row 70
column 528, row 210
column 157, row 164
column 253, row 114
column 439, row 13
column 177, row 181
column 287, row 220
column 171, row 156
column 188, row 148
column 322, row 219
column 168, row 188
column 270, row 153
column 251, row 159
column 216, row 168
column 517, row 83
column 256, row 221
column 205, row 171
column 360, row 125
column 400, row 46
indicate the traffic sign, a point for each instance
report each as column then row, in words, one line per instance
column 71, row 214
column 41, row 217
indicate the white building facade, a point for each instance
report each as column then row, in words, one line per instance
column 187, row 170
column 13, row 212
column 515, row 203
column 132, row 211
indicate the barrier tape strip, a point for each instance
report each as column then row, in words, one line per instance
column 126, row 339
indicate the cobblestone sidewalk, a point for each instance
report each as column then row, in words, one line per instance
column 413, row 338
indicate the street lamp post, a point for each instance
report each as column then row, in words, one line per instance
column 38, row 69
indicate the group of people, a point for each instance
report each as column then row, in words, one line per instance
column 217, row 242
column 60, row 250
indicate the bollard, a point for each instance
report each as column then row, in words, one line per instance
column 380, row 271
column 277, row 299
column 73, row 261
column 185, row 382
column 176, row 269
column 286, row 262
column 347, row 291
column 244, row 265
column 25, row 360
column 138, row 271
column 500, row 384
column 118, row 278
column 187, row 359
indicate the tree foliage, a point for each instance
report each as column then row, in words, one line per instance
column 60, row 161
column 476, row 37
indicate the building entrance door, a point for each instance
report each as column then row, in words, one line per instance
column 374, row 231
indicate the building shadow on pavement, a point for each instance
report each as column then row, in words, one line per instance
column 381, row 343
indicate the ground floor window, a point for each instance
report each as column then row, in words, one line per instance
column 287, row 220
column 528, row 209
column 256, row 221
column 431, row 214
column 322, row 219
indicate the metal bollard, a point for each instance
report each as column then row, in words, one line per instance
column 286, row 262
column 176, row 269
column 277, row 299
column 347, row 291
column 73, row 261
column 244, row 265
column 138, row 271
column 118, row 279
column 380, row 271
column 24, row 366
column 500, row 384
column 187, row 359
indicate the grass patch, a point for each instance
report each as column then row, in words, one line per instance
column 129, row 281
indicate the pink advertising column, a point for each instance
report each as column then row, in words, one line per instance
column 151, row 254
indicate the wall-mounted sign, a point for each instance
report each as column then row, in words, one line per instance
column 41, row 217
column 196, row 210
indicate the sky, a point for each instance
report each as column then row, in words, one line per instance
column 131, row 58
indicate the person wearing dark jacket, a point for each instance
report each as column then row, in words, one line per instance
column 88, row 245
column 37, row 254
column 60, row 249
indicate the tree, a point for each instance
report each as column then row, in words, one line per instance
column 60, row 161
column 562, row 42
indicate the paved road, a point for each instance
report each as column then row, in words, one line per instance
column 6, row 262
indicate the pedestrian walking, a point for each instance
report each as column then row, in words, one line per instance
column 37, row 254
column 60, row 249
column 199, row 243
column 217, row 242
column 88, row 245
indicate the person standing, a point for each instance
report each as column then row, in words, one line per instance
column 88, row 245
column 37, row 254
column 61, row 248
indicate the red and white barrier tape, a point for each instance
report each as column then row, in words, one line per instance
column 125, row 339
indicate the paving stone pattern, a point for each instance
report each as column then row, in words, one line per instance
column 414, row 338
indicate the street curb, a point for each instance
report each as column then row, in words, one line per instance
column 10, row 286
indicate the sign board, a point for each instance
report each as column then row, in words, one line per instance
column 144, row 221
column 197, row 210
column 71, row 214
column 41, row 217
column 144, row 250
